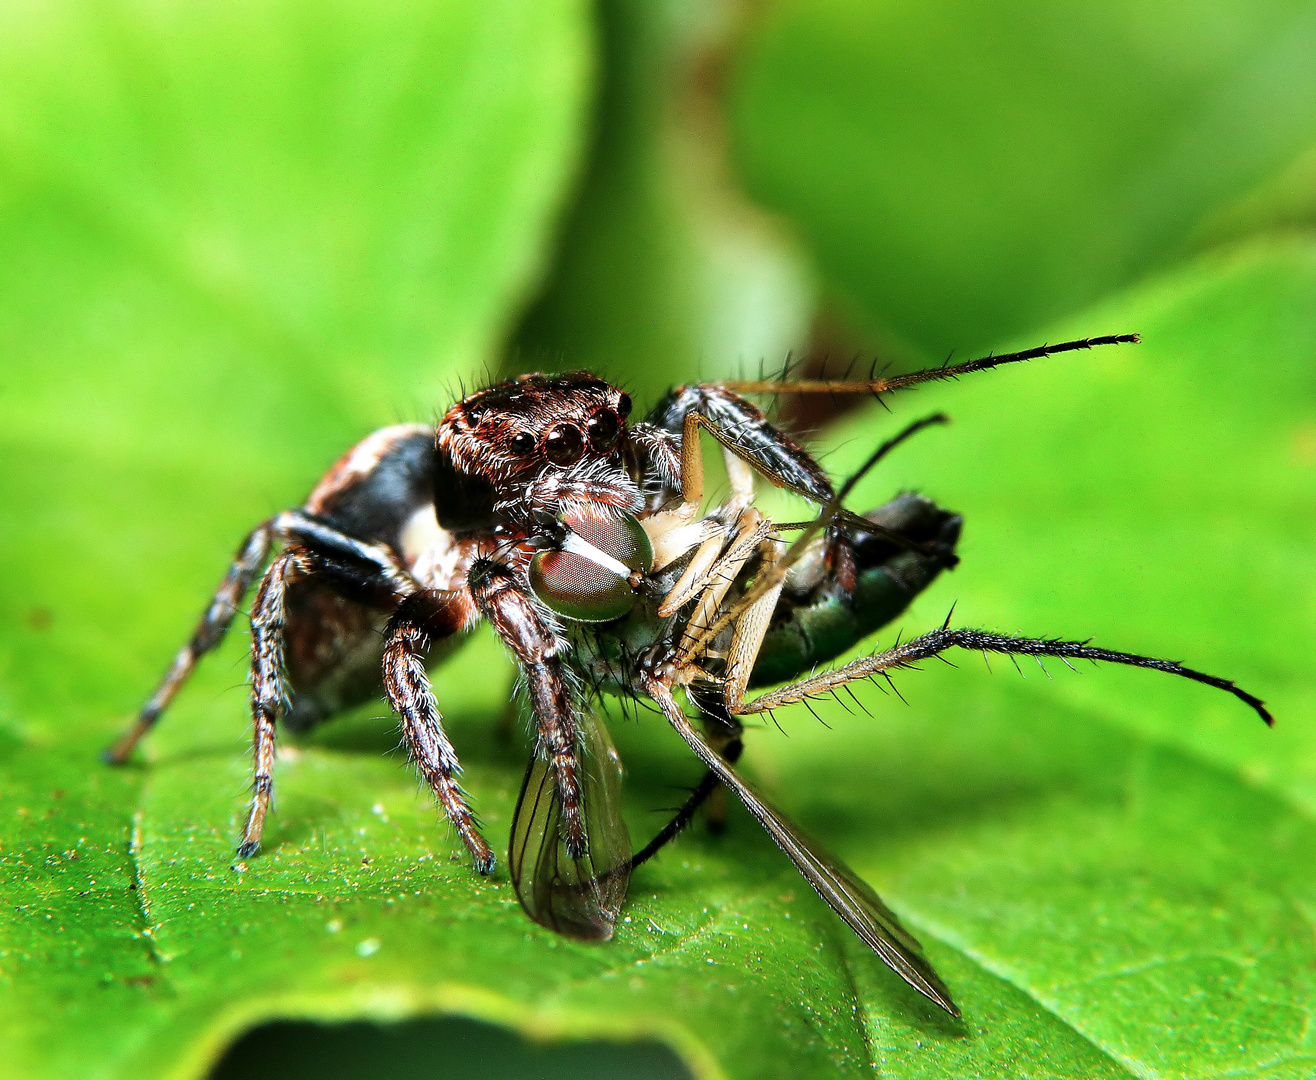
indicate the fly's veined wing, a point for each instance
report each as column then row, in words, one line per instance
column 578, row 898
column 856, row 903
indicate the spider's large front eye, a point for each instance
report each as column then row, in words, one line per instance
column 604, row 427
column 564, row 444
column 522, row 442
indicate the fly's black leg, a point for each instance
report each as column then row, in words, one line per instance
column 879, row 386
column 209, row 633
column 408, row 688
column 539, row 653
column 930, row 645
column 724, row 735
column 267, row 694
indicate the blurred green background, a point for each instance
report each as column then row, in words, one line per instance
column 236, row 237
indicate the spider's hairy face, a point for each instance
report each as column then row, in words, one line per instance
column 533, row 446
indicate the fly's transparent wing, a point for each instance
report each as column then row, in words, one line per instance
column 578, row 898
column 853, row 900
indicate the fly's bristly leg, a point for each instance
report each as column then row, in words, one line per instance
column 723, row 733
column 879, row 386
column 210, row 631
column 938, row 641
column 539, row 652
column 407, row 686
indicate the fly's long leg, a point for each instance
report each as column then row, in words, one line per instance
column 408, row 688
column 877, row 386
column 724, row 735
column 267, row 695
column 753, row 537
column 930, row 645
column 209, row 633
column 860, row 907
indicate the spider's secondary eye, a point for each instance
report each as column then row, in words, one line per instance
column 624, row 406
column 604, row 427
column 522, row 442
column 564, row 445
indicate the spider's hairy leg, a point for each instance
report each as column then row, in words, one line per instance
column 769, row 452
column 539, row 652
column 210, row 631
column 267, row 692
column 744, row 431
column 407, row 685
column 769, row 580
column 938, row 641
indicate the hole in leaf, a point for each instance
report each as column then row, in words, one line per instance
column 431, row 1050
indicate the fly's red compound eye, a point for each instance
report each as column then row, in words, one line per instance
column 604, row 427
column 589, row 579
column 564, row 445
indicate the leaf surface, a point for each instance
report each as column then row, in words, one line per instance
column 1112, row 871
column 965, row 172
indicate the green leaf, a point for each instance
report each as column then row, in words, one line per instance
column 963, row 172
column 1112, row 871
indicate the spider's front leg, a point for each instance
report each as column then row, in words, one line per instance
column 538, row 648
column 751, row 446
column 421, row 617
column 748, row 438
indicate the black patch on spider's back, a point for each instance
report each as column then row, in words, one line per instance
column 378, row 506
column 463, row 502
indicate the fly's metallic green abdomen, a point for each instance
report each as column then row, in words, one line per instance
column 817, row 618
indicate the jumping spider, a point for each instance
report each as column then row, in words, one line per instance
column 538, row 506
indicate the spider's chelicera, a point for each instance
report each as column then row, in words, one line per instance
column 539, row 506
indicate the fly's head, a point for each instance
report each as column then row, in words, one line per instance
column 533, row 449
